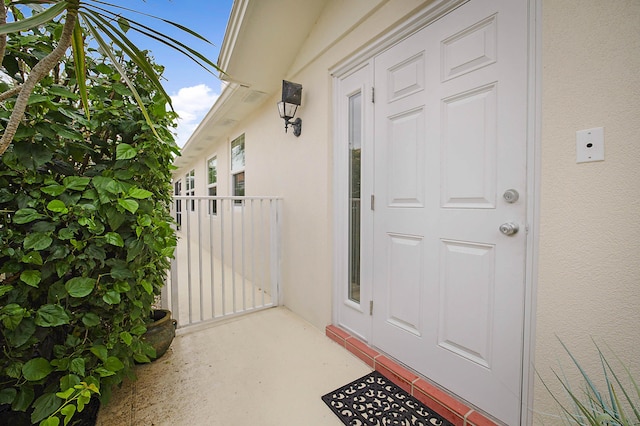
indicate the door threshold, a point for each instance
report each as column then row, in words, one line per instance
column 448, row 406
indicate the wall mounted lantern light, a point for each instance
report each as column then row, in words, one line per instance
column 291, row 97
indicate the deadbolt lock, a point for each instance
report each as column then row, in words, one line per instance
column 511, row 196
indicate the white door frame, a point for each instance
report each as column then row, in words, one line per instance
column 340, row 173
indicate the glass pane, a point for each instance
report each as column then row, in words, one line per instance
column 237, row 154
column 213, row 170
column 213, row 204
column 190, row 181
column 238, row 186
column 355, row 151
column 178, row 191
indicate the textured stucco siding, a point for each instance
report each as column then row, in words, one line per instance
column 589, row 247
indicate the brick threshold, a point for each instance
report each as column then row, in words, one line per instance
column 444, row 404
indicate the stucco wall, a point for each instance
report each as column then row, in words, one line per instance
column 589, row 257
column 300, row 169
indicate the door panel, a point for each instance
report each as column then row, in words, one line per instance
column 406, row 182
column 406, row 270
column 469, row 149
column 449, row 139
column 470, row 49
column 466, row 300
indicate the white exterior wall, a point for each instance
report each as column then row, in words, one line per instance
column 300, row 169
column 589, row 248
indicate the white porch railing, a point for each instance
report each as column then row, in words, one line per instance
column 227, row 260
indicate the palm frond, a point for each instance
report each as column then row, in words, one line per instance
column 174, row 24
column 160, row 37
column 80, row 65
column 106, row 48
column 128, row 47
column 36, row 20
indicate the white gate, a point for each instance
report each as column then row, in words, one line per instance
column 227, row 260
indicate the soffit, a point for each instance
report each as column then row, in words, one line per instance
column 261, row 42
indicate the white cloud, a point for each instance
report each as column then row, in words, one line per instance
column 191, row 104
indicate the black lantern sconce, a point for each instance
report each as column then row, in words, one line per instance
column 291, row 98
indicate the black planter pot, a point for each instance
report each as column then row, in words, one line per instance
column 161, row 331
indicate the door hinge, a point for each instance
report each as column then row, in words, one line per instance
column 370, row 307
column 373, row 95
column 373, row 202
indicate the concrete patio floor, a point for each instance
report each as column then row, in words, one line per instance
column 265, row 368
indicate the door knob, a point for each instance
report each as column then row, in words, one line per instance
column 509, row 228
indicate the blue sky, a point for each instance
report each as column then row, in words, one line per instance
column 192, row 89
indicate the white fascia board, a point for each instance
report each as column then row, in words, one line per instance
column 238, row 13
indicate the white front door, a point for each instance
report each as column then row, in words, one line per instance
column 450, row 140
column 443, row 152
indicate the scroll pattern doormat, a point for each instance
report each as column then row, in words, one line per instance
column 373, row 400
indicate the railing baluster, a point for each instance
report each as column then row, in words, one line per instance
column 253, row 257
column 222, row 263
column 244, row 297
column 188, row 216
column 200, row 277
column 212, row 262
column 233, row 254
column 263, row 280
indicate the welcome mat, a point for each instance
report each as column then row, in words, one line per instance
column 373, row 400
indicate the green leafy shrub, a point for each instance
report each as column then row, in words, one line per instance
column 85, row 233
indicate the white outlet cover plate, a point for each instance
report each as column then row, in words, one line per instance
column 590, row 145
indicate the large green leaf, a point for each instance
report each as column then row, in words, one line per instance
column 51, row 316
column 76, row 183
column 4, row 289
column 80, row 286
column 34, row 21
column 114, row 239
column 12, row 314
column 114, row 364
column 33, row 257
column 140, row 193
column 23, row 399
column 129, row 205
column 26, row 215
column 7, row 395
column 125, row 152
column 53, row 421
column 37, row 241
column 77, row 366
column 68, row 411
column 22, row 332
column 44, row 406
column 31, row 277
column 90, row 319
column 111, row 297
column 126, row 338
column 36, row 369
column 53, row 189
column 57, row 206
column 100, row 351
